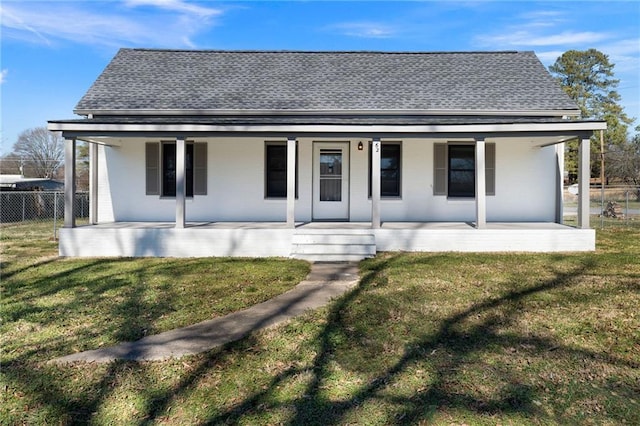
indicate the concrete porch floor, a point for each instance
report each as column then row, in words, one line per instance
column 333, row 225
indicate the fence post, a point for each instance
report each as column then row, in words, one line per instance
column 601, row 204
column 23, row 205
column 626, row 209
column 55, row 214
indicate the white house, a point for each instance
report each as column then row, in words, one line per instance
column 324, row 155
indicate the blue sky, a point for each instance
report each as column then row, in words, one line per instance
column 52, row 51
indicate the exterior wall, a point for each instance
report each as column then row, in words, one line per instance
column 235, row 186
column 525, row 184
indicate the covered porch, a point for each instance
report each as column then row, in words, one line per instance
column 350, row 239
column 317, row 241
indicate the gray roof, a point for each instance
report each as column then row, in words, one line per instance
column 175, row 80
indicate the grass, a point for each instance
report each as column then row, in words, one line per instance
column 424, row 339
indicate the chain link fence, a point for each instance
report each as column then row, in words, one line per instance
column 615, row 205
column 38, row 207
column 611, row 206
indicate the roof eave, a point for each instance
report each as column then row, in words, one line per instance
column 106, row 128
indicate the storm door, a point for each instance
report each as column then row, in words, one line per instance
column 331, row 181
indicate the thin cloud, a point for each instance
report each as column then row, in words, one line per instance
column 9, row 19
column 3, row 75
column 364, row 29
column 549, row 57
column 528, row 38
column 174, row 24
column 540, row 28
column 176, row 6
column 542, row 18
column 625, row 54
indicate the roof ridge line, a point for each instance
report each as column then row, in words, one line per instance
column 383, row 52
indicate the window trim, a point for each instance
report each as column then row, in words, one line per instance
column 370, row 169
column 266, row 168
column 450, row 170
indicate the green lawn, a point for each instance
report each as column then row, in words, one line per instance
column 425, row 338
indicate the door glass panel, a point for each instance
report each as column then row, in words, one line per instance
column 330, row 175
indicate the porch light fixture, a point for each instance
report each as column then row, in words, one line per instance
column 360, row 146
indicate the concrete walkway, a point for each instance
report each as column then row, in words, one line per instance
column 325, row 282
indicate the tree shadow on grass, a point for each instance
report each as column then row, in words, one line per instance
column 455, row 345
column 55, row 302
column 460, row 346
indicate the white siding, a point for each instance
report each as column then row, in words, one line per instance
column 525, row 184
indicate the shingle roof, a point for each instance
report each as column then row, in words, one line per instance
column 173, row 80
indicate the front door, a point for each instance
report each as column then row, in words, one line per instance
column 331, row 181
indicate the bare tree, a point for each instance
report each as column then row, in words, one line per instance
column 41, row 151
column 624, row 162
column 10, row 164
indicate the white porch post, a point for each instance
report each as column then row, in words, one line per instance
column 559, row 183
column 93, row 183
column 291, row 182
column 481, row 191
column 376, row 148
column 180, row 181
column 69, row 182
column 584, row 173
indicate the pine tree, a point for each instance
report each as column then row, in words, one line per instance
column 588, row 78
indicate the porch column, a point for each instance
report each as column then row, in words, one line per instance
column 291, row 182
column 584, row 174
column 481, row 186
column 181, row 184
column 93, row 183
column 559, row 183
column 375, row 183
column 69, row 182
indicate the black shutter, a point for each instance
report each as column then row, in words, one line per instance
column 200, row 168
column 490, row 168
column 152, row 166
column 440, row 169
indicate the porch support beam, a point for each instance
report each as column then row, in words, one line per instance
column 291, row 182
column 181, row 184
column 93, row 183
column 481, row 187
column 376, row 148
column 69, row 182
column 584, row 173
column 559, row 183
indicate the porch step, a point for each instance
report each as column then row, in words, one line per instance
column 333, row 245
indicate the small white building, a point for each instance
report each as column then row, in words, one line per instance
column 324, row 155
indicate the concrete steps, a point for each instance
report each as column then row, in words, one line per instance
column 333, row 245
